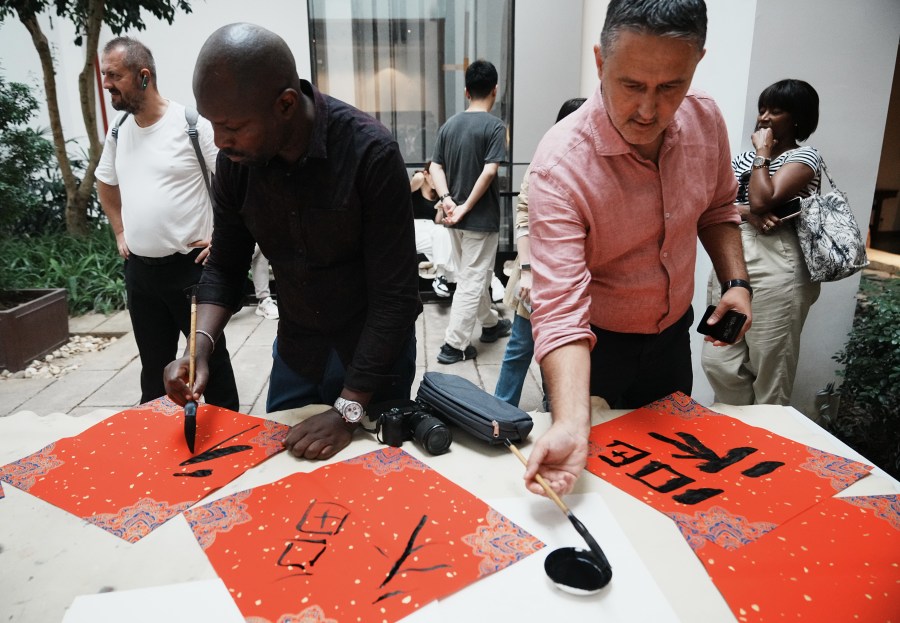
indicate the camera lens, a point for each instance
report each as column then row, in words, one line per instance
column 429, row 431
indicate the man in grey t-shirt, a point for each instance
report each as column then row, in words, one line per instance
column 470, row 147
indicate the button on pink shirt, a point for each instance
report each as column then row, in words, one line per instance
column 614, row 236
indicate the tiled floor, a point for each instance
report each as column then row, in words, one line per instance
column 109, row 379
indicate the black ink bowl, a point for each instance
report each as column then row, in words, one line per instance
column 577, row 571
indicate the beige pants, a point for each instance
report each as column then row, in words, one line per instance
column 760, row 369
column 474, row 254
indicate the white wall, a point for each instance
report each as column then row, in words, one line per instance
column 19, row 63
column 542, row 81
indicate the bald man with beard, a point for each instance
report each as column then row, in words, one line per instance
column 322, row 188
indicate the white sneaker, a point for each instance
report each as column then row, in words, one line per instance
column 497, row 290
column 440, row 287
column 267, row 308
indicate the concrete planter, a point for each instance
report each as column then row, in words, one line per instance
column 33, row 323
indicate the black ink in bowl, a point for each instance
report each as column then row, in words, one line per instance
column 576, row 571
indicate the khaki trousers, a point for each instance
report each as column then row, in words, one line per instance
column 760, row 369
column 474, row 254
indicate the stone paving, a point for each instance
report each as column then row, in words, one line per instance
column 109, row 378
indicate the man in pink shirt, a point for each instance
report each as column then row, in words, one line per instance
column 620, row 191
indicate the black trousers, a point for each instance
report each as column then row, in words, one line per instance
column 630, row 370
column 160, row 311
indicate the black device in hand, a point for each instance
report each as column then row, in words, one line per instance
column 788, row 210
column 728, row 327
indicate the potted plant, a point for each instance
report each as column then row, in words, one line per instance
column 33, row 323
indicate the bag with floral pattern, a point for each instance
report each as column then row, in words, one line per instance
column 830, row 238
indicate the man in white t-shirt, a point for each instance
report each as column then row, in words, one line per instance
column 151, row 187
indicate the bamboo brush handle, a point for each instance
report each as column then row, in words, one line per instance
column 192, row 341
column 540, row 479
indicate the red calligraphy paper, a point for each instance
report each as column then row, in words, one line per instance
column 721, row 480
column 133, row 471
column 369, row 539
column 837, row 561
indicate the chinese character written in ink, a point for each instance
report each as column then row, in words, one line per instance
column 321, row 519
column 663, row 478
column 214, row 453
column 398, row 566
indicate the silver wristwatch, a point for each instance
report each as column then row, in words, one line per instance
column 759, row 162
column 350, row 410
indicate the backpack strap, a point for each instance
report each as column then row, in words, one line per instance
column 119, row 121
column 191, row 115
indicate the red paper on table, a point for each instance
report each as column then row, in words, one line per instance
column 370, row 539
column 133, row 471
column 837, row 561
column 719, row 479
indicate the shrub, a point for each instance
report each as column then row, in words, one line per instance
column 24, row 156
column 869, row 412
column 32, row 190
column 89, row 268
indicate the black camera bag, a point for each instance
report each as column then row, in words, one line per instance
column 461, row 402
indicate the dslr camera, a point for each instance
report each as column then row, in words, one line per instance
column 413, row 421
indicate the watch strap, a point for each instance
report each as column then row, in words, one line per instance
column 737, row 283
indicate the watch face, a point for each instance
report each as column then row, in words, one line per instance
column 759, row 161
column 352, row 411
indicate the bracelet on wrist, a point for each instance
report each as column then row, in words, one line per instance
column 202, row 332
column 737, row 283
column 525, row 267
column 442, row 197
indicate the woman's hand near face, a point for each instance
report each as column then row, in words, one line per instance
column 763, row 141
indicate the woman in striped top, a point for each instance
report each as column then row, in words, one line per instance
column 761, row 368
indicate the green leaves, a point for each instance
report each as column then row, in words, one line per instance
column 24, row 154
column 869, row 415
column 89, row 268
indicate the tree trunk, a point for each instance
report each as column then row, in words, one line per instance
column 86, row 88
column 76, row 216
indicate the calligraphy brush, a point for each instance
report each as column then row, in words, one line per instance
column 190, row 408
column 604, row 566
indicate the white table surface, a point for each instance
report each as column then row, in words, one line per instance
column 49, row 557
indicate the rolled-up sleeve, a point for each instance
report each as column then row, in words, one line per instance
column 560, row 298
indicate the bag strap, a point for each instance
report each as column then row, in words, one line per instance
column 828, row 175
column 191, row 115
column 119, row 121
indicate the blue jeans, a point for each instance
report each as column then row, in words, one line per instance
column 519, row 351
column 289, row 390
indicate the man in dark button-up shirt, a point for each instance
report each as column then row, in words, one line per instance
column 323, row 189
